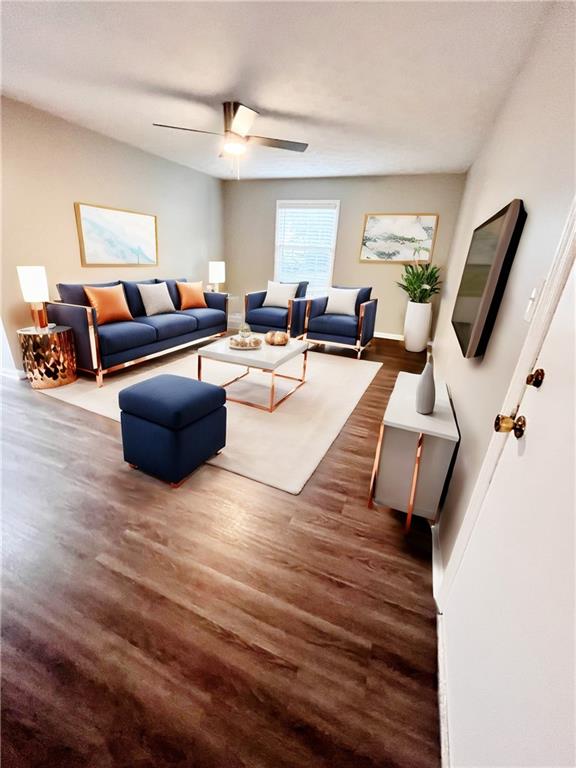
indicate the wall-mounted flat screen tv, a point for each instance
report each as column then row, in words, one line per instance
column 488, row 265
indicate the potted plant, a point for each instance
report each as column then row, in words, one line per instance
column 421, row 282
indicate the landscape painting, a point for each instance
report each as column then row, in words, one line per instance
column 112, row 237
column 398, row 238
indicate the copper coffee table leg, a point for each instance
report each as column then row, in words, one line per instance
column 199, row 368
column 272, row 391
column 412, row 498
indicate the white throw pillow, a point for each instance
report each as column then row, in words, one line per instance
column 278, row 294
column 156, row 299
column 342, row 301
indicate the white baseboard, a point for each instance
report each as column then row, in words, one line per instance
column 437, row 565
column 442, row 694
column 392, row 336
column 12, row 373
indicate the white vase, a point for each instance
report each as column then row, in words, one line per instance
column 417, row 326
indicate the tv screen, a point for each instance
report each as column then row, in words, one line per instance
column 484, row 278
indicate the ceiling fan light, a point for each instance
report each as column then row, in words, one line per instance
column 234, row 145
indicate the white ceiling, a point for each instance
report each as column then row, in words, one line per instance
column 375, row 88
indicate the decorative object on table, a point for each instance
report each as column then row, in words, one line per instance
column 48, row 356
column 112, row 237
column 426, row 391
column 216, row 274
column 484, row 278
column 277, row 338
column 245, row 342
column 171, row 425
column 244, row 330
column 414, row 452
column 354, row 331
column 281, row 307
column 398, row 238
column 34, row 287
column 421, row 282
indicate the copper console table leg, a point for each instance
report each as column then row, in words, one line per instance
column 412, row 498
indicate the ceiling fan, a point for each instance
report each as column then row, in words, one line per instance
column 238, row 120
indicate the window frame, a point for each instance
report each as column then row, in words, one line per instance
column 309, row 203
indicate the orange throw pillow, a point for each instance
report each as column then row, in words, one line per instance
column 110, row 303
column 191, row 295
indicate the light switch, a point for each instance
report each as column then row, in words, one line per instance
column 533, row 301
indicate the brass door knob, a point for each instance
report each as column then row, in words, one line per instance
column 508, row 424
column 535, row 378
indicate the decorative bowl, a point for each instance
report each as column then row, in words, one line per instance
column 277, row 338
column 245, row 342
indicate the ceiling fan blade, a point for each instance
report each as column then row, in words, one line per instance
column 180, row 128
column 293, row 146
column 242, row 119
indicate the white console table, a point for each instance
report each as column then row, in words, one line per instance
column 414, row 451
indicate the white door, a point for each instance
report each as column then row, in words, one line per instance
column 508, row 623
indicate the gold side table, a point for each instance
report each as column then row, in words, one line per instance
column 48, row 356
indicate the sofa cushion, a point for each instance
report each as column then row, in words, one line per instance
column 192, row 295
column 109, row 303
column 173, row 289
column 274, row 317
column 133, row 296
column 74, row 293
column 334, row 325
column 172, row 401
column 279, row 294
column 167, row 326
column 363, row 295
column 341, row 301
column 156, row 299
column 116, row 337
column 206, row 317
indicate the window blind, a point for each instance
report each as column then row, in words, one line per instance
column 306, row 241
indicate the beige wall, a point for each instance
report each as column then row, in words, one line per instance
column 529, row 155
column 48, row 164
column 249, row 223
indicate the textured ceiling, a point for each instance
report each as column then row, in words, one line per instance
column 374, row 88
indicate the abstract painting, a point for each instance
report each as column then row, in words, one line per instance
column 398, row 238
column 112, row 237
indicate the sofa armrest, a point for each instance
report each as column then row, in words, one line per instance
column 217, row 300
column 254, row 300
column 367, row 321
column 82, row 320
column 297, row 316
column 317, row 306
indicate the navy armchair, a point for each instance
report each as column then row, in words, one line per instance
column 263, row 319
column 354, row 331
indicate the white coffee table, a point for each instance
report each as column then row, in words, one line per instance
column 267, row 359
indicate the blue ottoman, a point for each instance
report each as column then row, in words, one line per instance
column 171, row 425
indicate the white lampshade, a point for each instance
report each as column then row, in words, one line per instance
column 216, row 271
column 33, row 284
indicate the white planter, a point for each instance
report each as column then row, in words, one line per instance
column 417, row 326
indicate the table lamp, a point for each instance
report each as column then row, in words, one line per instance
column 216, row 273
column 34, row 287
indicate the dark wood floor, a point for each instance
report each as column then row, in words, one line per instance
column 223, row 624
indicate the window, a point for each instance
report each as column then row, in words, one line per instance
column 306, row 241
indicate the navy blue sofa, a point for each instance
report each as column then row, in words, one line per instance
column 101, row 349
column 354, row 331
column 263, row 319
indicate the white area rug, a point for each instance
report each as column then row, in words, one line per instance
column 281, row 449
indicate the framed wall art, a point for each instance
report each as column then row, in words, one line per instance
column 398, row 238
column 111, row 237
